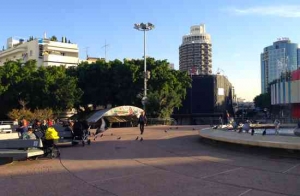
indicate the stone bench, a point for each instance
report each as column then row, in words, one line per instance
column 5, row 129
column 14, row 154
column 18, row 149
column 19, row 143
column 8, row 136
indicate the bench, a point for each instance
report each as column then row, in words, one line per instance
column 5, row 129
column 19, row 143
column 8, row 136
column 14, row 154
column 18, row 149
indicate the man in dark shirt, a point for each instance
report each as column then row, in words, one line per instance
column 142, row 121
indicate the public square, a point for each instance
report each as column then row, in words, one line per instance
column 168, row 162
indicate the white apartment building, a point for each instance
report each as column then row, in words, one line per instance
column 44, row 51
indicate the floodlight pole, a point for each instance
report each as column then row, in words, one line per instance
column 144, row 27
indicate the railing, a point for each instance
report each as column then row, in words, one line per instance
column 161, row 121
column 6, row 122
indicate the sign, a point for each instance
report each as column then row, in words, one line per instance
column 221, row 91
column 124, row 111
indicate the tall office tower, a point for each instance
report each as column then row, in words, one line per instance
column 276, row 60
column 195, row 52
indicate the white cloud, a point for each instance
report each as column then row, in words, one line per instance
column 287, row 11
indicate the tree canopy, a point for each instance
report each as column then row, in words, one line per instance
column 43, row 87
column 115, row 83
column 121, row 83
column 263, row 101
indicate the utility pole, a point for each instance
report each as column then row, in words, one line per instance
column 105, row 49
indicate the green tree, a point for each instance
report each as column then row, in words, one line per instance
column 263, row 101
column 167, row 88
column 53, row 38
column 43, row 87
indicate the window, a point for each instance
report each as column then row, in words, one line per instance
column 30, row 54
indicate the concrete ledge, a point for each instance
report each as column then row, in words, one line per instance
column 8, row 136
column 20, row 154
column 270, row 141
column 19, row 143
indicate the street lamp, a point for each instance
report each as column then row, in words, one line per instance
column 144, row 27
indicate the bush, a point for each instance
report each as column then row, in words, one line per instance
column 19, row 114
column 27, row 114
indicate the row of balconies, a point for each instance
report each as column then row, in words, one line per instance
column 196, row 55
column 195, row 59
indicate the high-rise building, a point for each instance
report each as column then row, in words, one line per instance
column 276, row 59
column 195, row 52
column 43, row 50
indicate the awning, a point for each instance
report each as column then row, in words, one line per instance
column 117, row 114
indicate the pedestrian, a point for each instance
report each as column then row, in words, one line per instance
column 221, row 121
column 100, row 129
column 142, row 121
column 227, row 116
column 277, row 125
column 44, row 126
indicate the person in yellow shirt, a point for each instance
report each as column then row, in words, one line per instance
column 51, row 134
column 51, row 139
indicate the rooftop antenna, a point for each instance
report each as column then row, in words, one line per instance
column 219, row 71
column 105, row 49
column 87, row 52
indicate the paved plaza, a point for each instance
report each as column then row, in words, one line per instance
column 176, row 162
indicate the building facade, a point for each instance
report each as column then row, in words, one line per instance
column 209, row 98
column 286, row 92
column 195, row 51
column 276, row 59
column 44, row 51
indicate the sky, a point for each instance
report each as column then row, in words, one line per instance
column 239, row 29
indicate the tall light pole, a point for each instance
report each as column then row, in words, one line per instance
column 144, row 27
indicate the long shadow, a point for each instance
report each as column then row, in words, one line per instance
column 191, row 145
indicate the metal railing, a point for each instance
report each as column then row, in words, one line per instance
column 6, row 122
column 161, row 121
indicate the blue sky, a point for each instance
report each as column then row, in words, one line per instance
column 239, row 29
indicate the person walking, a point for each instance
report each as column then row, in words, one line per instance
column 277, row 126
column 142, row 121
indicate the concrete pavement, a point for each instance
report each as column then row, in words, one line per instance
column 175, row 162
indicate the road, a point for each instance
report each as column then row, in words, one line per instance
column 176, row 162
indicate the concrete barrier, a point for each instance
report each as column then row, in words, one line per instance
column 270, row 141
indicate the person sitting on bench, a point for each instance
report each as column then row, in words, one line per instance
column 29, row 135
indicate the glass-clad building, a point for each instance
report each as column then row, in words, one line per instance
column 276, row 59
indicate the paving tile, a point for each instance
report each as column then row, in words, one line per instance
column 261, row 180
column 164, row 183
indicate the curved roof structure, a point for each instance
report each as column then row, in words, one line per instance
column 117, row 114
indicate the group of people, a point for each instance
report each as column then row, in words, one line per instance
column 36, row 130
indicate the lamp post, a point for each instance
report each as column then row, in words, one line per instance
column 144, row 27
